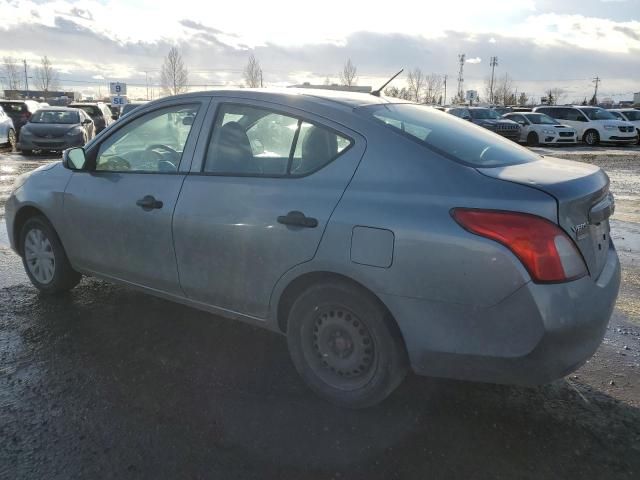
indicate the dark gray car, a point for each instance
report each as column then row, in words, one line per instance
column 376, row 236
column 55, row 129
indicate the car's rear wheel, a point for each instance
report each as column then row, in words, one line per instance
column 344, row 345
column 26, row 152
column 591, row 138
column 44, row 258
column 638, row 132
column 532, row 139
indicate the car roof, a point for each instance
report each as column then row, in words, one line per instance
column 57, row 109
column 302, row 96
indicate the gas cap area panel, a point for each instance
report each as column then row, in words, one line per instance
column 372, row 246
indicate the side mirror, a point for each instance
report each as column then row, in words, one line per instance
column 86, row 121
column 187, row 120
column 74, row 159
column 114, row 117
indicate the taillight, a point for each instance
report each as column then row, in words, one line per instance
column 543, row 248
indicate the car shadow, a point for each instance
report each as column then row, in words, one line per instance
column 108, row 380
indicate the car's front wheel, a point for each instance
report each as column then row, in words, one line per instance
column 532, row 139
column 44, row 258
column 344, row 345
column 26, row 152
column 591, row 138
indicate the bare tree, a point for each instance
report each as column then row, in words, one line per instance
column 433, row 88
column 253, row 73
column 415, row 84
column 174, row 75
column 12, row 72
column 327, row 80
column 556, row 96
column 523, row 99
column 504, row 90
column 46, row 76
column 348, row 76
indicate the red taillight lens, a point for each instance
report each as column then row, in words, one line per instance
column 543, row 248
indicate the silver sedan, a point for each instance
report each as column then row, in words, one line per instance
column 377, row 236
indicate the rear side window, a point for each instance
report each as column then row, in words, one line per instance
column 258, row 142
column 449, row 136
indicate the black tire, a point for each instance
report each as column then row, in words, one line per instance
column 344, row 345
column 26, row 152
column 13, row 140
column 591, row 138
column 532, row 139
column 638, row 132
column 64, row 277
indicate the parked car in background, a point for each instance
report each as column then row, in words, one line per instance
column 538, row 128
column 8, row 137
column 501, row 110
column 423, row 243
column 55, row 129
column 491, row 120
column 460, row 112
column 130, row 107
column 99, row 112
column 631, row 115
column 593, row 124
column 20, row 112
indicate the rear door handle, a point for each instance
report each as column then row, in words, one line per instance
column 297, row 219
column 148, row 202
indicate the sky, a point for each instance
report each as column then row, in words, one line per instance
column 540, row 44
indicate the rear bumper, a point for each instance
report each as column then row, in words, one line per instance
column 536, row 335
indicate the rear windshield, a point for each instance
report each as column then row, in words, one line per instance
column 55, row 116
column 91, row 110
column 483, row 114
column 11, row 107
column 450, row 136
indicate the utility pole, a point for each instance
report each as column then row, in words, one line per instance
column 596, row 81
column 146, row 81
column 461, row 59
column 445, row 89
column 494, row 64
column 26, row 79
column 260, row 78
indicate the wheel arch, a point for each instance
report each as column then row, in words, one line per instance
column 22, row 215
column 305, row 280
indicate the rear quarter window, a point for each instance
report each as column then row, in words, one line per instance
column 456, row 139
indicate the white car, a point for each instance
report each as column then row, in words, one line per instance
column 538, row 128
column 630, row 115
column 593, row 124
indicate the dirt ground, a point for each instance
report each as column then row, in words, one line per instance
column 109, row 383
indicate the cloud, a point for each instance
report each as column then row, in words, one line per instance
column 474, row 60
column 629, row 32
column 98, row 77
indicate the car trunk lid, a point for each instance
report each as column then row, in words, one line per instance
column 582, row 194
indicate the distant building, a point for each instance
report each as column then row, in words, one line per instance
column 52, row 98
column 636, row 98
column 343, row 88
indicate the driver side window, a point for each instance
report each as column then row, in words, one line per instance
column 152, row 143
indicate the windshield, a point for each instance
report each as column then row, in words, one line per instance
column 483, row 114
column 541, row 119
column 55, row 116
column 632, row 115
column 450, row 136
column 598, row 114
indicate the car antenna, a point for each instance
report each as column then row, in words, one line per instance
column 376, row 93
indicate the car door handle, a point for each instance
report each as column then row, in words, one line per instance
column 148, row 202
column 298, row 219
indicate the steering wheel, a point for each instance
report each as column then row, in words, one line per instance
column 168, row 163
column 115, row 163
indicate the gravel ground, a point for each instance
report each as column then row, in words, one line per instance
column 109, row 383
